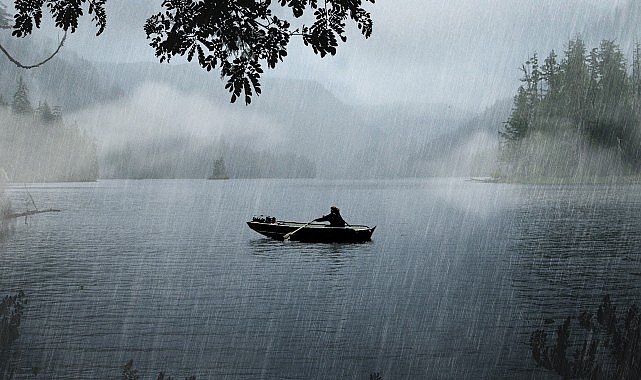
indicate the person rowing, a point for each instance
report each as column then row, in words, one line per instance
column 334, row 218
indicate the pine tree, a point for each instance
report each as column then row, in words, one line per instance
column 45, row 113
column 550, row 74
column 590, row 92
column 613, row 74
column 575, row 80
column 5, row 17
column 518, row 125
column 635, row 83
column 594, row 74
column 21, row 104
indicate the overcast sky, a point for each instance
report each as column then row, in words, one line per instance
column 462, row 52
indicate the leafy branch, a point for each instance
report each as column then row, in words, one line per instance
column 239, row 36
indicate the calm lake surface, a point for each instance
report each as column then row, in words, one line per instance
column 455, row 280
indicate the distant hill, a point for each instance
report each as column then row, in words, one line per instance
column 32, row 150
column 164, row 117
column 470, row 150
column 159, row 120
column 66, row 80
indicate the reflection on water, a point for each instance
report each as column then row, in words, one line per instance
column 334, row 255
column 456, row 278
column 580, row 244
column 576, row 245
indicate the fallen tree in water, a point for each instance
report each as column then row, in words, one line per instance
column 7, row 215
column 27, row 213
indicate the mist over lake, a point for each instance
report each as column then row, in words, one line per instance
column 494, row 144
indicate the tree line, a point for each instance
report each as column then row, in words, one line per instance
column 585, row 102
column 21, row 105
column 37, row 146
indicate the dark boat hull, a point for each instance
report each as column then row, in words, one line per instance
column 313, row 233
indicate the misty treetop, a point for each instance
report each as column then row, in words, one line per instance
column 5, row 21
column 236, row 37
column 586, row 104
column 37, row 146
column 21, row 103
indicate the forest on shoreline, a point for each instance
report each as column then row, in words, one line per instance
column 36, row 145
column 577, row 116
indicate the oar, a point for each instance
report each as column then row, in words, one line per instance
column 288, row 235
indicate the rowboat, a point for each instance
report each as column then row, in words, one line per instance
column 311, row 232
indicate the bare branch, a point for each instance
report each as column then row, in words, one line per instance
column 23, row 66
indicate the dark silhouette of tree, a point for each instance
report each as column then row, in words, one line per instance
column 11, row 309
column 5, row 23
column 526, row 104
column 21, row 103
column 550, row 75
column 129, row 373
column 518, row 125
column 608, row 348
column 236, row 37
column 575, row 79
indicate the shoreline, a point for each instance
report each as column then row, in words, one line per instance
column 581, row 180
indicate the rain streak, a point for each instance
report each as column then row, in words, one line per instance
column 296, row 190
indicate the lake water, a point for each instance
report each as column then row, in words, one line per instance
column 455, row 280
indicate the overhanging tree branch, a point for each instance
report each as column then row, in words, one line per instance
column 23, row 66
column 235, row 37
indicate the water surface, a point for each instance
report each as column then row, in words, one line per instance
column 456, row 278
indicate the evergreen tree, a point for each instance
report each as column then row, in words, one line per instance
column 5, row 18
column 589, row 95
column 613, row 74
column 21, row 104
column 635, row 82
column 57, row 114
column 609, row 119
column 45, row 113
column 594, row 74
column 525, row 102
column 552, row 82
column 517, row 126
column 532, row 77
column 550, row 74
column 575, row 80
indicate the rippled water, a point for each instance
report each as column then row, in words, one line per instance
column 456, row 278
